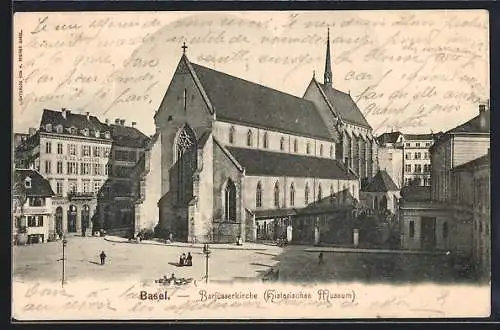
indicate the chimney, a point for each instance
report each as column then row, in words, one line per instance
column 122, row 122
column 134, row 123
column 88, row 115
column 63, row 112
column 482, row 117
column 32, row 131
column 117, row 121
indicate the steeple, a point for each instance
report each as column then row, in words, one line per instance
column 328, row 65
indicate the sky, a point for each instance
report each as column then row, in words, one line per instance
column 414, row 71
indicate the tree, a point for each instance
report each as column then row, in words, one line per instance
column 20, row 197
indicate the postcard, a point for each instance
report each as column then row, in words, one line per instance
column 251, row 165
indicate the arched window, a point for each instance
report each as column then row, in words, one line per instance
column 282, row 144
column 230, row 201
column 331, row 151
column 295, row 145
column 266, row 140
column 258, row 195
column 292, row 195
column 320, row 193
column 231, row 134
column 249, row 138
column 445, row 229
column 321, row 150
column 308, row 147
column 306, row 194
column 331, row 194
column 185, row 163
column 276, row 194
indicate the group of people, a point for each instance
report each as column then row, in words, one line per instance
column 186, row 260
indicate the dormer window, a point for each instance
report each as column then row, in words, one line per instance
column 106, row 134
column 27, row 182
column 59, row 129
column 96, row 134
column 48, row 127
column 72, row 130
column 86, row 131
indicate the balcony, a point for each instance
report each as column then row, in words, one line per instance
column 34, row 210
column 80, row 195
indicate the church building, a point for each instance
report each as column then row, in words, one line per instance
column 237, row 156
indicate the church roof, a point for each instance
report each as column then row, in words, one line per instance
column 259, row 162
column 241, row 101
column 381, row 182
column 344, row 106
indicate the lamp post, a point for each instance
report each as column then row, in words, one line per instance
column 64, row 242
column 207, row 252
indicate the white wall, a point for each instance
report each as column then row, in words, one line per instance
column 221, row 133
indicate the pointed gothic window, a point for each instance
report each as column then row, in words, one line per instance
column 230, row 201
column 266, row 140
column 258, row 195
column 231, row 134
column 249, row 138
column 276, row 195
column 306, row 194
column 331, row 151
column 321, row 150
column 292, row 195
column 185, row 163
column 282, row 144
column 320, row 193
column 185, row 99
column 295, row 146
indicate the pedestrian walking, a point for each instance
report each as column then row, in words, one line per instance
column 189, row 259
column 103, row 257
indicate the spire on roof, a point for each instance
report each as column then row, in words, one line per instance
column 328, row 65
column 184, row 47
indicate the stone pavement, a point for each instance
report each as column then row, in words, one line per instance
column 213, row 246
column 383, row 251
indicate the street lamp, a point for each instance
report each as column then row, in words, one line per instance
column 64, row 242
column 207, row 252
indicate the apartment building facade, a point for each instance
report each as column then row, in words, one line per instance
column 78, row 155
